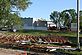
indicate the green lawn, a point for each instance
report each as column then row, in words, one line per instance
column 44, row 33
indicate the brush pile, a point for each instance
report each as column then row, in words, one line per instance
column 17, row 38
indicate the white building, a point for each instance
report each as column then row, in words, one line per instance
column 73, row 26
column 27, row 23
column 40, row 25
column 37, row 25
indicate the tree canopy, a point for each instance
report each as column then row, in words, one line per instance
column 6, row 9
column 65, row 17
column 56, row 17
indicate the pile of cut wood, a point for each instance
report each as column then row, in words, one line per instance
column 18, row 38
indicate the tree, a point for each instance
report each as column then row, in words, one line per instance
column 10, row 22
column 69, row 16
column 55, row 17
column 81, row 13
column 41, row 19
column 15, row 20
column 73, row 15
column 66, row 18
column 17, row 4
column 81, row 20
column 8, row 6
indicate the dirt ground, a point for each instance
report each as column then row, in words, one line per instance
column 11, row 52
column 19, row 52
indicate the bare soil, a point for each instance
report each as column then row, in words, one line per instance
column 11, row 52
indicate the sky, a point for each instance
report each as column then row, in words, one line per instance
column 43, row 8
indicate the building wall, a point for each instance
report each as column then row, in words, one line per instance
column 27, row 23
column 37, row 25
column 40, row 28
column 40, row 23
column 73, row 26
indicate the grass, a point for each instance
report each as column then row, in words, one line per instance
column 44, row 33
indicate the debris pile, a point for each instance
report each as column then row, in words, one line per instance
column 17, row 38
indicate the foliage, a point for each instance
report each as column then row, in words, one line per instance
column 15, row 20
column 81, row 20
column 80, row 12
column 6, row 9
column 69, row 16
column 41, row 19
column 56, row 17
column 66, row 17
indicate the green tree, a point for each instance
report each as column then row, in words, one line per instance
column 69, row 16
column 41, row 19
column 55, row 17
column 14, row 20
column 73, row 15
column 66, row 18
column 81, row 20
column 80, row 12
column 8, row 6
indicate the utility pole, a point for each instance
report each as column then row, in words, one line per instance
column 78, row 9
